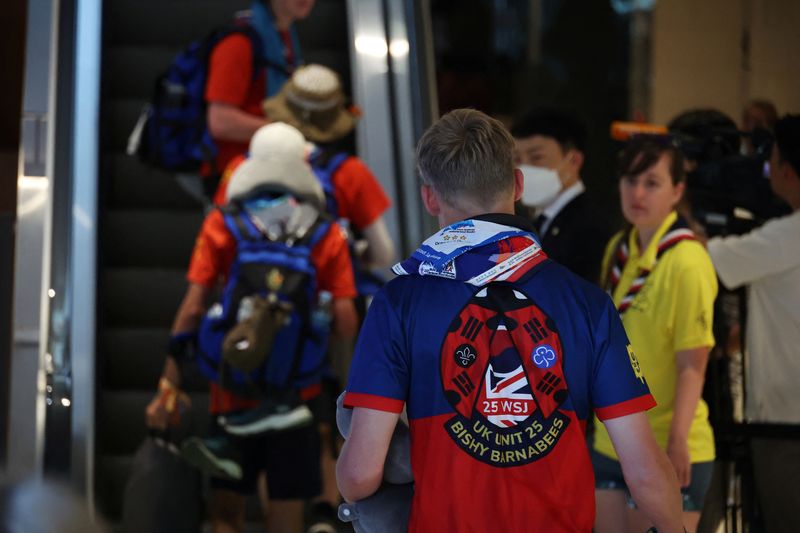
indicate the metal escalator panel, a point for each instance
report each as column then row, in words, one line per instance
column 70, row 244
column 390, row 48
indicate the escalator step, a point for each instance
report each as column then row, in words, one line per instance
column 178, row 21
column 149, row 238
column 133, row 358
column 134, row 184
column 133, row 70
column 111, row 475
column 141, row 297
column 121, row 413
column 130, row 22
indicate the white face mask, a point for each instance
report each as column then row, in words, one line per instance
column 542, row 186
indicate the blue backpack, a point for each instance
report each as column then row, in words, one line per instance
column 271, row 291
column 172, row 133
column 367, row 283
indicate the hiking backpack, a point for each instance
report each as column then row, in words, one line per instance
column 171, row 132
column 268, row 327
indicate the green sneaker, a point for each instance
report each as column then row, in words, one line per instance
column 212, row 456
column 273, row 414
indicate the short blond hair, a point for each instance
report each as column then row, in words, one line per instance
column 467, row 154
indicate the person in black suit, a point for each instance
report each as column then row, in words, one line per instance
column 550, row 148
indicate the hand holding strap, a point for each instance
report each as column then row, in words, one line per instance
column 171, row 397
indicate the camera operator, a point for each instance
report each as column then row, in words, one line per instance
column 767, row 260
column 757, row 114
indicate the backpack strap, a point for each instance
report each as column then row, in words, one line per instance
column 259, row 59
column 243, row 228
column 318, row 231
column 325, row 167
column 305, row 309
column 238, row 223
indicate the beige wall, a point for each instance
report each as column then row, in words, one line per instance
column 775, row 53
column 698, row 59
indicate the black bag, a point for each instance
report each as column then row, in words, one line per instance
column 163, row 493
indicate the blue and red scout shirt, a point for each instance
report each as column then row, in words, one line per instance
column 498, row 378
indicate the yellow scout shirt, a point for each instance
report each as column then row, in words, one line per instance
column 673, row 311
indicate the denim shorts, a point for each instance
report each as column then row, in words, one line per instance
column 608, row 476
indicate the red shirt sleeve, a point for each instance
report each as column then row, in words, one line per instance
column 360, row 197
column 371, row 401
column 230, row 71
column 231, row 81
column 214, row 252
column 635, row 405
column 331, row 258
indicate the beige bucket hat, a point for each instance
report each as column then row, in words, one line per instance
column 313, row 102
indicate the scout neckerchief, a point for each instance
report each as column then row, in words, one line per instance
column 677, row 232
column 475, row 252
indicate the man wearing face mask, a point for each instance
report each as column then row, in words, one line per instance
column 549, row 149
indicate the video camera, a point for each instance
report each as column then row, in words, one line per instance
column 729, row 192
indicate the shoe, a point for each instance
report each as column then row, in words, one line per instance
column 270, row 415
column 209, row 455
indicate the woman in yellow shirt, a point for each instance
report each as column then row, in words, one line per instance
column 663, row 284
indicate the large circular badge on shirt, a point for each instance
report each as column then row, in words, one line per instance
column 502, row 371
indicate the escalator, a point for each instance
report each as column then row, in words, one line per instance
column 147, row 223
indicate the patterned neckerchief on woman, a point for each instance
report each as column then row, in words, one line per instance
column 677, row 232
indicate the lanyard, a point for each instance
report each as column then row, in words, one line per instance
column 516, row 260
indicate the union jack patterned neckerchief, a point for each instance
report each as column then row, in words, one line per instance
column 679, row 231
